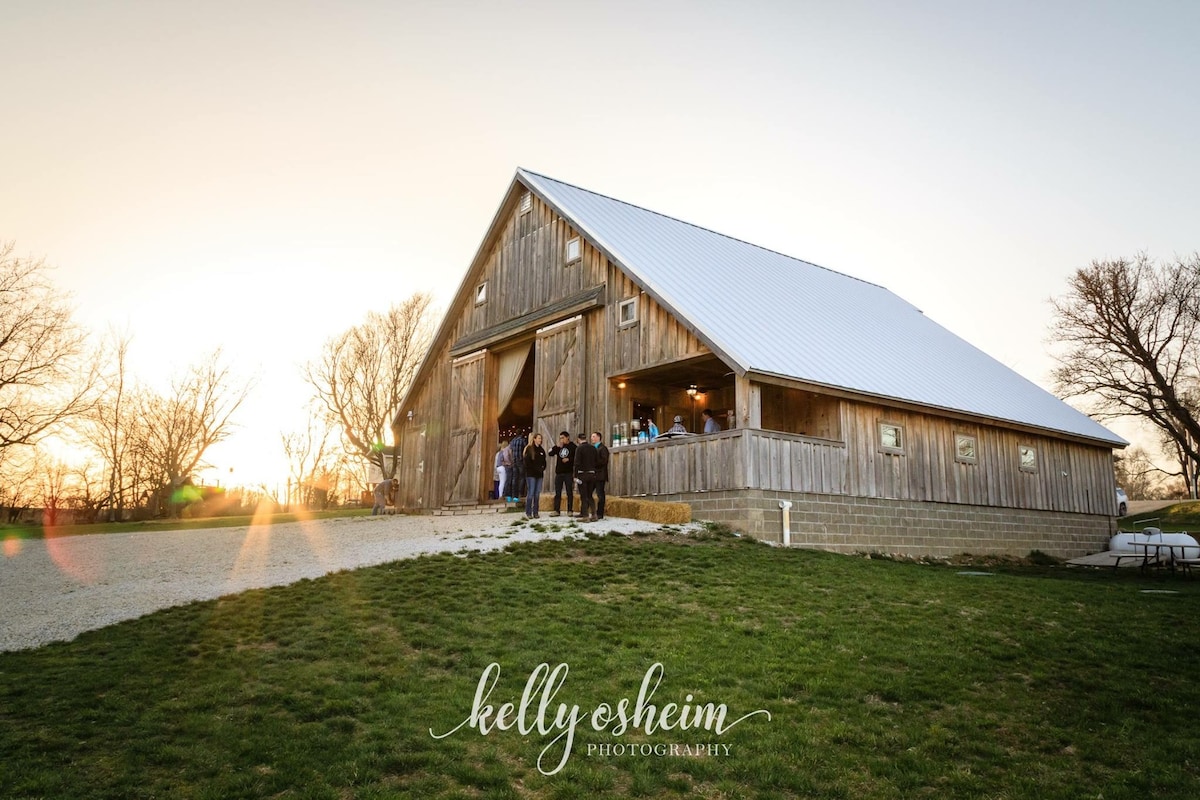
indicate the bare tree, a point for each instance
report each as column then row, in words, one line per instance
column 20, row 481
column 43, row 378
column 112, row 427
column 181, row 426
column 1137, row 473
column 55, row 479
column 362, row 374
column 311, row 457
column 1132, row 336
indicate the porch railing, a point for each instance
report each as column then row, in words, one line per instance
column 737, row 459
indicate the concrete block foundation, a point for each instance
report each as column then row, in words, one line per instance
column 901, row 527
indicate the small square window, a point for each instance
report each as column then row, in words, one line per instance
column 526, row 203
column 965, row 448
column 1028, row 458
column 481, row 293
column 891, row 437
column 627, row 312
column 574, row 250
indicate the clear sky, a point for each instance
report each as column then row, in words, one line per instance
column 259, row 175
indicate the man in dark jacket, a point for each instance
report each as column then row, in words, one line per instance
column 564, row 473
column 601, row 474
column 585, row 472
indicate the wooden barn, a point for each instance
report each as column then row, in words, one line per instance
column 884, row 431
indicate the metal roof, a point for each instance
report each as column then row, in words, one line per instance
column 770, row 313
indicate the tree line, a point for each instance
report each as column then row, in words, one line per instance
column 144, row 447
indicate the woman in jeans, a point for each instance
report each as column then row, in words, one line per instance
column 534, row 457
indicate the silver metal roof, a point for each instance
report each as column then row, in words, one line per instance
column 766, row 312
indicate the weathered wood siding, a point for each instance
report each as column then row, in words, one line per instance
column 526, row 269
column 737, row 459
column 464, row 474
column 656, row 338
column 1071, row 477
column 560, row 356
column 700, row 463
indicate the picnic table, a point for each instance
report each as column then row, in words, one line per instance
column 1158, row 558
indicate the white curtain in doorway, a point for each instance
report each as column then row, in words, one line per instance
column 511, row 364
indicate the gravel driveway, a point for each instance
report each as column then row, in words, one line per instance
column 55, row 589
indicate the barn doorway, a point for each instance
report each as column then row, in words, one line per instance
column 515, row 387
column 516, row 415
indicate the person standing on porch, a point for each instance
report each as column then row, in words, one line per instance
column 533, row 457
column 600, row 475
column 710, row 424
column 564, row 473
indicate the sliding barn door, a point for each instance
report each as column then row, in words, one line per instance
column 466, row 431
column 412, row 462
column 558, row 381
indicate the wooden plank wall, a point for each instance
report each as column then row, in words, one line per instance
column 1070, row 477
column 527, row 269
column 656, row 338
column 695, row 464
column 428, row 404
column 790, row 463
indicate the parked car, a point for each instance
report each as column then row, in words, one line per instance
column 1122, row 502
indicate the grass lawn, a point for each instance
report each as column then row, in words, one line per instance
column 1183, row 516
column 883, row 679
column 38, row 532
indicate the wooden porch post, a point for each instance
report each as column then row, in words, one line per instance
column 749, row 402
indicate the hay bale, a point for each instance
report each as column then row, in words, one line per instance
column 662, row 513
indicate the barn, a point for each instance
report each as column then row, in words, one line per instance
column 885, row 431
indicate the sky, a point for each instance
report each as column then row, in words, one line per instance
column 257, row 176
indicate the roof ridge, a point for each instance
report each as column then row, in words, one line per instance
column 706, row 230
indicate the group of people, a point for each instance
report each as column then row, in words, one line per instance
column 581, row 463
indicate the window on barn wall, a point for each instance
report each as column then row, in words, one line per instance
column 1028, row 457
column 627, row 313
column 965, row 448
column 801, row 412
column 481, row 294
column 574, row 250
column 891, row 438
column 526, row 203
